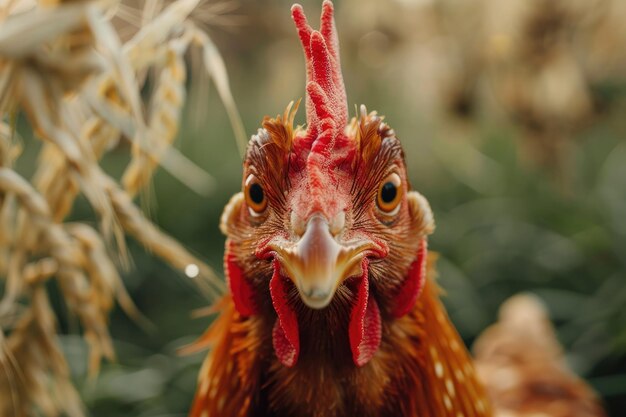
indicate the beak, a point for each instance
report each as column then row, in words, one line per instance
column 317, row 264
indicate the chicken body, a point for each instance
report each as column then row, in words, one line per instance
column 332, row 311
column 522, row 366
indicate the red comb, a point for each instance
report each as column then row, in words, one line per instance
column 326, row 106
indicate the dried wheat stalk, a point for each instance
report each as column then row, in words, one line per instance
column 63, row 65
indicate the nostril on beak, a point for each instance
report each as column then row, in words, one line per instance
column 297, row 224
column 337, row 223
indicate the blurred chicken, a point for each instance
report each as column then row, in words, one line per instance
column 333, row 309
column 522, row 366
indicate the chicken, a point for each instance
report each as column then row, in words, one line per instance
column 522, row 365
column 333, row 309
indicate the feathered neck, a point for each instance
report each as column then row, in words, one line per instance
column 421, row 369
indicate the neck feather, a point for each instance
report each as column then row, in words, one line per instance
column 421, row 369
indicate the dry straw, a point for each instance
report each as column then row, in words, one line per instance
column 64, row 66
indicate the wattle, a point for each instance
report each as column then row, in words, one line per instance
column 365, row 324
column 364, row 329
column 285, row 336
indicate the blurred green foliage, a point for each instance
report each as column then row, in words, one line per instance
column 505, row 224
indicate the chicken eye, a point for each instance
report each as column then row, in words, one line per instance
column 390, row 194
column 255, row 196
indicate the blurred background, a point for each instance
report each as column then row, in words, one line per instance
column 513, row 118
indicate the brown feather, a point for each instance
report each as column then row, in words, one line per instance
column 281, row 128
column 421, row 370
column 522, row 365
column 230, row 376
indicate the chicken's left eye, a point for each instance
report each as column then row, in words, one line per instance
column 255, row 196
column 390, row 194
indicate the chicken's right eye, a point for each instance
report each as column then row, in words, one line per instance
column 390, row 195
column 255, row 196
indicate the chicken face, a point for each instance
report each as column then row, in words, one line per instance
column 326, row 223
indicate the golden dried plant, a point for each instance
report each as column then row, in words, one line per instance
column 64, row 66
